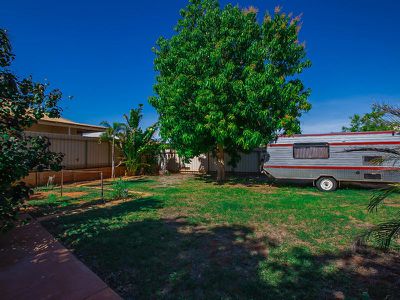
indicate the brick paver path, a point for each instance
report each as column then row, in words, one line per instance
column 33, row 265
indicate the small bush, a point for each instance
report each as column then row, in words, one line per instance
column 51, row 197
column 119, row 189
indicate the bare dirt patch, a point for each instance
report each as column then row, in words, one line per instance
column 258, row 188
column 392, row 204
column 106, row 182
column 372, row 268
column 44, row 195
column 75, row 194
column 360, row 224
column 171, row 180
column 309, row 193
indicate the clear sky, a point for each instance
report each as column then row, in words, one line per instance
column 100, row 52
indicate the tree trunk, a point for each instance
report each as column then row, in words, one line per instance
column 112, row 159
column 220, row 164
column 164, row 160
column 142, row 163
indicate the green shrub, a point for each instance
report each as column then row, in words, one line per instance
column 119, row 189
column 22, row 103
column 51, row 197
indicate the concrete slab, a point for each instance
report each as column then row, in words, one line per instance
column 33, row 265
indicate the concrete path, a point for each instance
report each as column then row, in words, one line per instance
column 33, row 265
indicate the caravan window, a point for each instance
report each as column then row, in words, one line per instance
column 311, row 151
column 372, row 160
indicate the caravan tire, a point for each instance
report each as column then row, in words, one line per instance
column 326, row 184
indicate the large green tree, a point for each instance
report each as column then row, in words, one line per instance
column 227, row 83
column 372, row 121
column 22, row 103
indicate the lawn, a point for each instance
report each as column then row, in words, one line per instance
column 184, row 237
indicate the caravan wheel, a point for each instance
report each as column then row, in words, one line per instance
column 326, row 184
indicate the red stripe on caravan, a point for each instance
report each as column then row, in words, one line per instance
column 341, row 133
column 363, row 143
column 344, row 144
column 280, row 145
column 335, row 167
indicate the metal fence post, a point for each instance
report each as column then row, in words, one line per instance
column 102, row 191
column 62, row 181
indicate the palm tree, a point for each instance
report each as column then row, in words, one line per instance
column 385, row 232
column 138, row 146
column 111, row 135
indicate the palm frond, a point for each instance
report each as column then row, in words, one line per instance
column 391, row 110
column 136, row 144
column 105, row 124
column 383, row 233
column 394, row 151
column 380, row 195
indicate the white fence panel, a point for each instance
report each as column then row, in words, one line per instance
column 79, row 152
column 249, row 163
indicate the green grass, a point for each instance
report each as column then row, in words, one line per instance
column 190, row 238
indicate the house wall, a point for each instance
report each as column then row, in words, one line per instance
column 80, row 154
column 52, row 129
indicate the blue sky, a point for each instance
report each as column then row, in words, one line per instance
column 100, row 52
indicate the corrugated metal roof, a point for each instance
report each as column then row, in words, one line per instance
column 65, row 122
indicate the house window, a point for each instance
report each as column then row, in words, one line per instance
column 372, row 160
column 311, row 151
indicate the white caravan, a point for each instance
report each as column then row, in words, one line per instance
column 328, row 159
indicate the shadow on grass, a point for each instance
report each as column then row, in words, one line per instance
column 247, row 180
column 144, row 257
column 65, row 206
column 257, row 180
column 138, row 181
column 253, row 180
column 109, row 183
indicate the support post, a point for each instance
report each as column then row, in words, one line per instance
column 102, row 191
column 86, row 154
column 62, row 181
column 208, row 162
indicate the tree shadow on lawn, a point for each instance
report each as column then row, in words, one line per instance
column 66, row 206
column 235, row 179
column 146, row 257
column 262, row 180
column 139, row 180
column 108, row 183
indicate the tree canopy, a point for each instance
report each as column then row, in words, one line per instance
column 22, row 103
column 373, row 121
column 227, row 83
